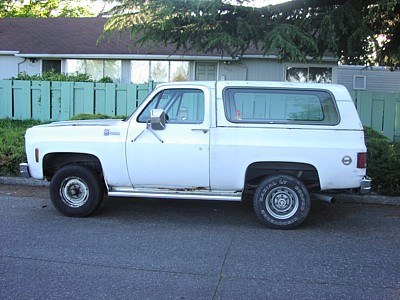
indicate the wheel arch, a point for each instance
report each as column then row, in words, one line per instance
column 54, row 161
column 257, row 171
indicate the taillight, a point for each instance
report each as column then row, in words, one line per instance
column 37, row 155
column 362, row 160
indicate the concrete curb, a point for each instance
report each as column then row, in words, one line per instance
column 341, row 198
column 366, row 199
column 23, row 181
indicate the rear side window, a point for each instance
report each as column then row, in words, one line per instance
column 246, row 105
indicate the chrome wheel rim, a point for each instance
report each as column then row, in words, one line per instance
column 282, row 203
column 74, row 192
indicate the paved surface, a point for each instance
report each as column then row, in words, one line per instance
column 159, row 249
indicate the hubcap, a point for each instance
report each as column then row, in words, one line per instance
column 282, row 203
column 74, row 192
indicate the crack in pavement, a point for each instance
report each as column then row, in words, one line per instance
column 108, row 266
column 220, row 275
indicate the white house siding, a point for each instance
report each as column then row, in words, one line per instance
column 265, row 69
column 376, row 79
column 9, row 66
column 30, row 67
column 251, row 69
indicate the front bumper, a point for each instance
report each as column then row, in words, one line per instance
column 24, row 170
column 365, row 186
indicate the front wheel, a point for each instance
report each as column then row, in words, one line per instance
column 281, row 202
column 76, row 190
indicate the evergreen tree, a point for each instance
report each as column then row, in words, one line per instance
column 356, row 31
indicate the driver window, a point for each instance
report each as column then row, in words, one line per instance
column 182, row 106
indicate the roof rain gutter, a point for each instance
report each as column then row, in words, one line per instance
column 157, row 57
column 127, row 56
column 3, row 52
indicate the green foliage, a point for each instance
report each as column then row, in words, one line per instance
column 54, row 76
column 12, row 151
column 383, row 163
column 95, row 116
column 106, row 79
column 294, row 30
column 43, row 9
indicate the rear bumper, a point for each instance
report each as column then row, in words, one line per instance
column 365, row 185
column 24, row 170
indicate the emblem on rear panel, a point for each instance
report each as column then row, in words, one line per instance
column 346, row 160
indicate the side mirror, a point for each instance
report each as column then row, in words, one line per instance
column 157, row 119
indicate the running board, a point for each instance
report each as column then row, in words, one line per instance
column 187, row 195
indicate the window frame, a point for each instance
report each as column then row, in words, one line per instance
column 308, row 66
column 171, row 104
column 227, row 107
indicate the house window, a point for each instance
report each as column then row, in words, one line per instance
column 309, row 74
column 51, row 65
column 96, row 68
column 179, row 71
column 159, row 71
column 360, row 82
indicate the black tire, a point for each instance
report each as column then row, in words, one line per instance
column 76, row 190
column 281, row 202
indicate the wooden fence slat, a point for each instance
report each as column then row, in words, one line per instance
column 111, row 99
column 377, row 110
column 22, row 100
column 5, row 99
column 122, row 99
column 132, row 102
column 365, row 102
column 142, row 91
column 55, row 101
column 41, row 100
column 88, row 107
column 100, row 98
column 389, row 115
column 66, row 101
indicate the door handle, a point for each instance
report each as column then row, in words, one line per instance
column 205, row 130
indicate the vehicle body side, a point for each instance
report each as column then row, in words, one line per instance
column 232, row 150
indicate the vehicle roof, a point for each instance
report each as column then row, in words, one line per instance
column 339, row 91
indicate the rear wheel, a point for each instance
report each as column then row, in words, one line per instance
column 281, row 202
column 76, row 190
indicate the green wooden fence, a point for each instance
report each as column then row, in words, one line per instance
column 379, row 110
column 56, row 101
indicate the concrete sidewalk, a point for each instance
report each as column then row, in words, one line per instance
column 338, row 197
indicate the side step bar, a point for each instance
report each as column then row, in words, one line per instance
column 187, row 195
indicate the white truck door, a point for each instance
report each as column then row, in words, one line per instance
column 176, row 157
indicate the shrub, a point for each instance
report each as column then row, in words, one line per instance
column 12, row 151
column 54, row 76
column 94, row 117
column 383, row 163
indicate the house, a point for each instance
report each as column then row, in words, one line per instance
column 71, row 44
column 360, row 78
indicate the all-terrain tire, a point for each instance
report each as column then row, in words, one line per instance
column 281, row 202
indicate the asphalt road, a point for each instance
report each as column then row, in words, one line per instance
column 160, row 249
